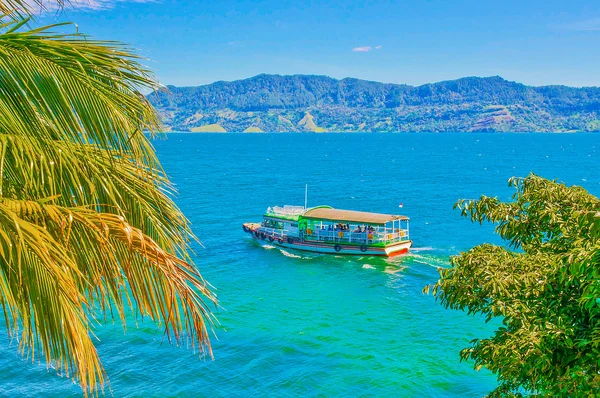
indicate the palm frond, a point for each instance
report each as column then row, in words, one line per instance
column 110, row 253
column 41, row 301
column 18, row 9
column 87, row 222
column 64, row 86
column 76, row 175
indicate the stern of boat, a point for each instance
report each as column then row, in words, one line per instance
column 250, row 227
column 398, row 248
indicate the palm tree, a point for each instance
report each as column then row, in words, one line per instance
column 87, row 226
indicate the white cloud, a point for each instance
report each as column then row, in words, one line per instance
column 54, row 5
column 365, row 49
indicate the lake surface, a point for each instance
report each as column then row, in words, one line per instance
column 295, row 324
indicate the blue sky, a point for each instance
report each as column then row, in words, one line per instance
column 414, row 42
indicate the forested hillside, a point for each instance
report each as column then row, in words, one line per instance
column 320, row 103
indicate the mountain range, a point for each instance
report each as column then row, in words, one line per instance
column 275, row 103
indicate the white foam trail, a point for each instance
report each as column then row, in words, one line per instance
column 368, row 266
column 421, row 249
column 287, row 254
column 429, row 264
column 268, row 247
column 432, row 262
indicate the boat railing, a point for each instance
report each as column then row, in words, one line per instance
column 384, row 236
column 356, row 237
column 274, row 232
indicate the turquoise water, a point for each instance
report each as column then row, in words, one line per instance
column 295, row 324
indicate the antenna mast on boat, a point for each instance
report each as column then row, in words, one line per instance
column 305, row 196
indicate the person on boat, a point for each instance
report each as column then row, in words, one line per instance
column 329, row 233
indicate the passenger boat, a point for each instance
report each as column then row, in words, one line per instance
column 324, row 229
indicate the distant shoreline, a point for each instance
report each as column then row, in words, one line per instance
column 309, row 103
column 379, row 132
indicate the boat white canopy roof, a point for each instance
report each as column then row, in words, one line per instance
column 324, row 213
column 286, row 210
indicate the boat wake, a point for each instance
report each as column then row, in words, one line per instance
column 291, row 255
column 422, row 249
column 368, row 266
column 435, row 262
column 269, row 247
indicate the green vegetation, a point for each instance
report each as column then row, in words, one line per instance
column 88, row 229
column 547, row 292
column 282, row 103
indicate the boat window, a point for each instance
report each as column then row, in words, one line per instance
column 268, row 223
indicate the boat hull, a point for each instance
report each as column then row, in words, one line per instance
column 391, row 250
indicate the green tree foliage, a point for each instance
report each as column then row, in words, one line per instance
column 546, row 291
column 88, row 228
